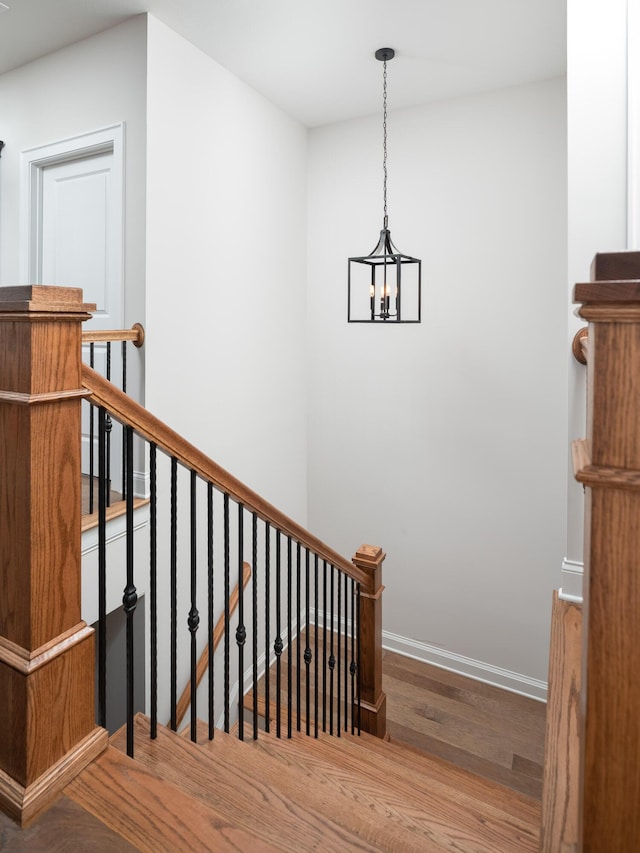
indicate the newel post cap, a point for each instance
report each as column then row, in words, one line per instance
column 44, row 298
column 370, row 558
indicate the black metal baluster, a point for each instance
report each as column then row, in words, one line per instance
column 307, row 651
column 346, row 653
column 226, row 611
column 315, row 641
column 289, row 643
column 254, row 608
column 91, row 437
column 277, row 647
column 153, row 590
column 130, row 597
column 102, row 568
column 358, row 667
column 324, row 646
column 332, row 660
column 298, row 629
column 109, row 427
column 194, row 617
column 173, row 580
column 339, row 659
column 241, row 633
column 267, row 625
column 210, row 625
column 124, row 391
column 352, row 666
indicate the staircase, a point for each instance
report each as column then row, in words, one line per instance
column 356, row 793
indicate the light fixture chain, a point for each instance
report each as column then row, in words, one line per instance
column 384, row 134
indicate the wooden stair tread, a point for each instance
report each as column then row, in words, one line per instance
column 237, row 786
column 152, row 814
column 436, row 768
column 320, row 792
column 412, row 796
column 416, row 760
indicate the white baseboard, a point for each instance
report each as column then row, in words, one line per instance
column 479, row 670
column 572, row 578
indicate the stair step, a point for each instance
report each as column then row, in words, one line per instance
column 237, row 781
column 439, row 770
column 414, row 800
column 152, row 814
column 415, row 760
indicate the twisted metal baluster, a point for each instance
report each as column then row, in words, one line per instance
column 109, row 427
column 324, row 646
column 254, row 610
column 298, row 629
column 339, row 629
column 194, row 617
column 241, row 633
column 174, row 592
column 226, row 611
column 352, row 667
column 124, row 391
column 267, row 625
column 289, row 643
column 315, row 642
column 210, row 625
column 307, row 651
column 130, row 596
column 153, row 588
column 346, row 653
column 278, row 643
column 332, row 660
column 359, row 668
column 102, row 569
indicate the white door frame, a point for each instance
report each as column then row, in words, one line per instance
column 32, row 163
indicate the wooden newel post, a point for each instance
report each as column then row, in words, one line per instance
column 609, row 465
column 372, row 698
column 47, row 721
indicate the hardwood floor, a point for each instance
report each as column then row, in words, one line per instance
column 489, row 731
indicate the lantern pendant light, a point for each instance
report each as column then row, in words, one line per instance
column 384, row 286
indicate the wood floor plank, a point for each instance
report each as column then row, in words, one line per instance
column 467, row 759
column 63, row 827
column 237, row 787
column 488, row 706
column 152, row 814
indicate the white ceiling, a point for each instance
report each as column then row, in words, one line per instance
column 315, row 59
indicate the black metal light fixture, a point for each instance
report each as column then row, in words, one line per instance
column 384, row 286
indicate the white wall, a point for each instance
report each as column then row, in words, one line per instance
column 597, row 187
column 98, row 82
column 226, row 214
column 445, row 442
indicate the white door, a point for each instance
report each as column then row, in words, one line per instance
column 76, row 240
column 78, row 228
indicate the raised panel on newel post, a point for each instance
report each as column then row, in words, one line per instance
column 47, row 723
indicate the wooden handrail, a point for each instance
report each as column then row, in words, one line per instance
column 185, row 699
column 134, row 334
column 128, row 412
